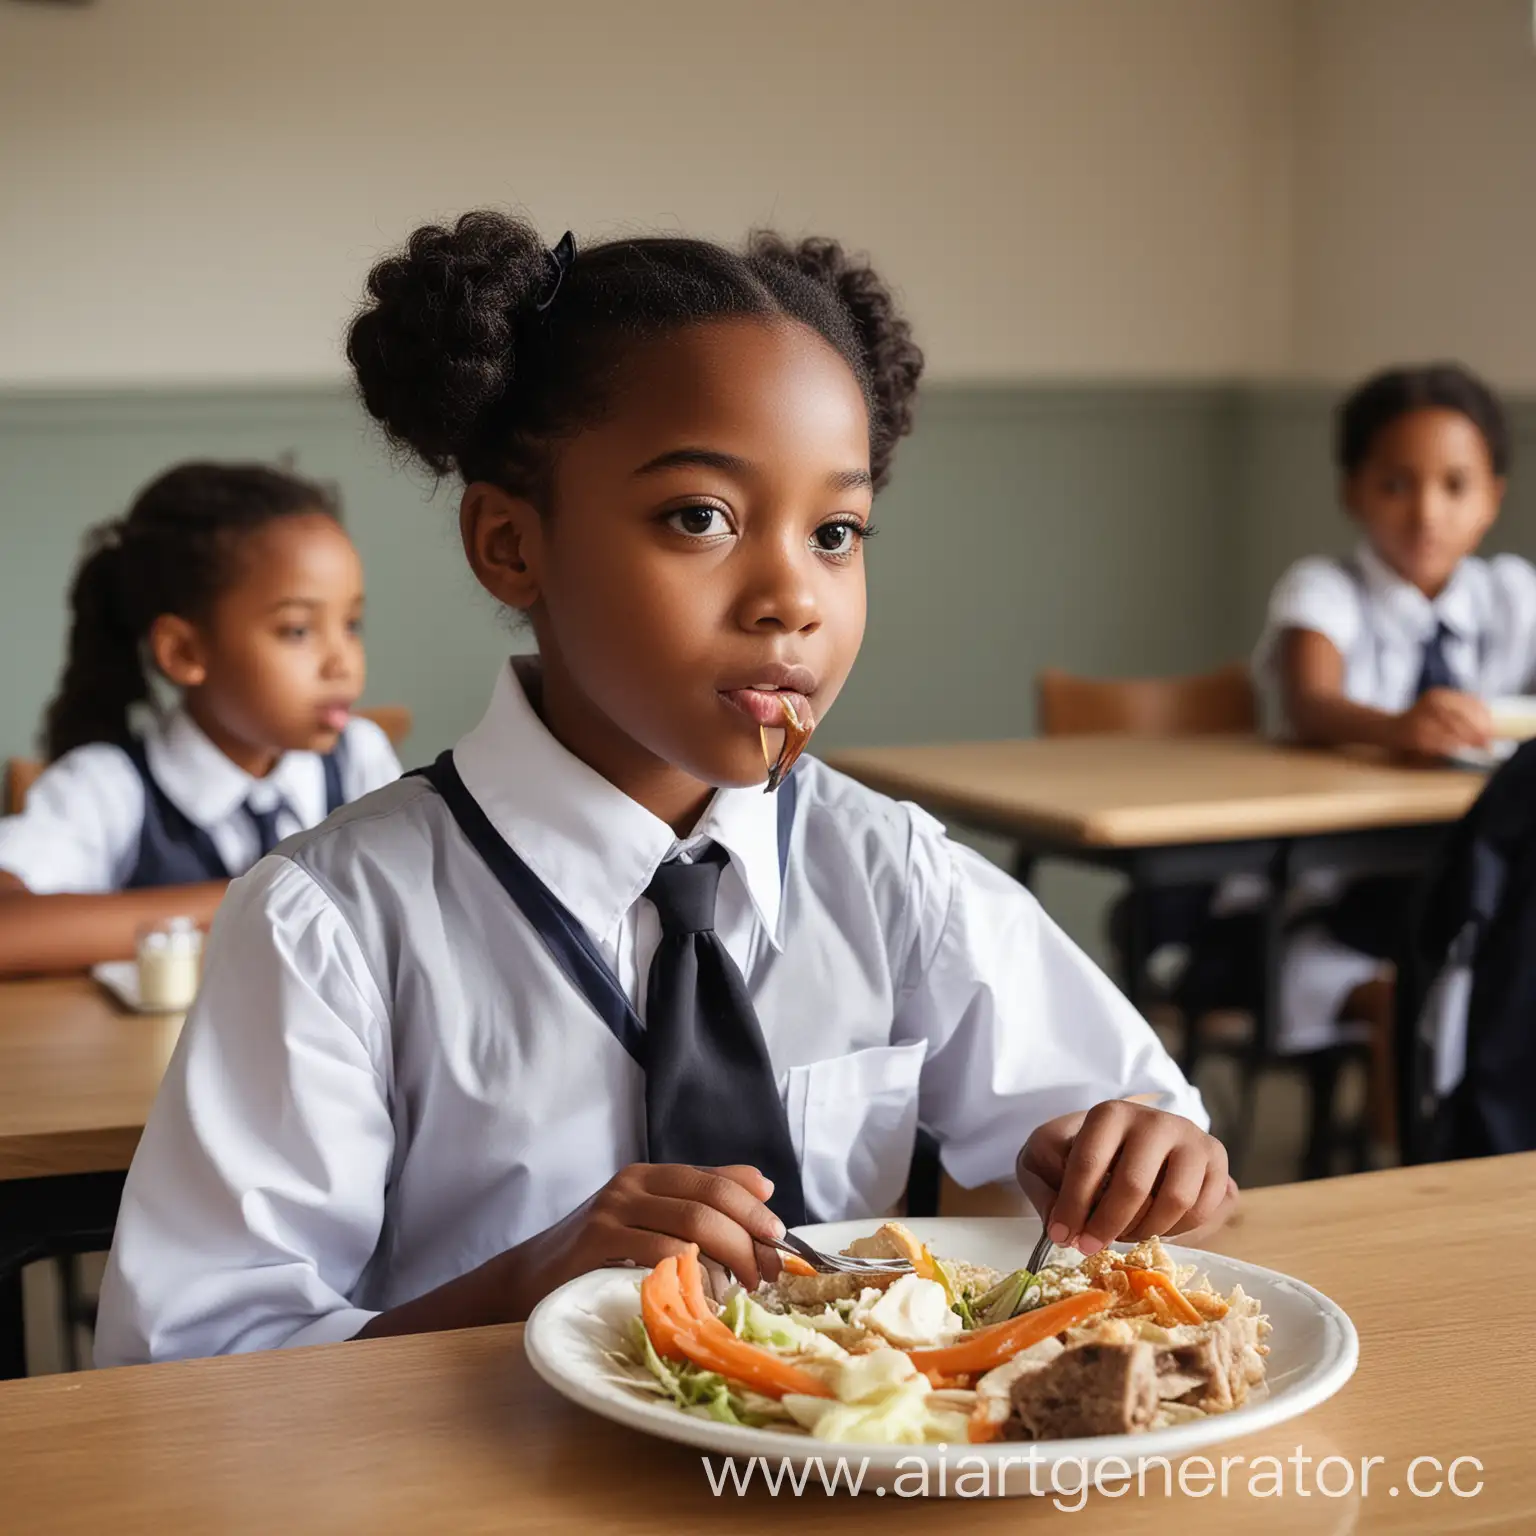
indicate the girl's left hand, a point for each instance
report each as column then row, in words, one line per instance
column 1124, row 1170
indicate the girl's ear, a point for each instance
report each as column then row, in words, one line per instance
column 504, row 543
column 178, row 651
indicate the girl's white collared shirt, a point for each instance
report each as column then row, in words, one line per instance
column 80, row 829
column 387, row 1080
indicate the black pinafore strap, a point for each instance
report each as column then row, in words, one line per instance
column 567, row 941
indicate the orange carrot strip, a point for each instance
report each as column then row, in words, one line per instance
column 716, row 1348
column 793, row 1264
column 700, row 1336
column 690, row 1279
column 981, row 1427
column 662, row 1310
column 989, row 1347
column 1145, row 1280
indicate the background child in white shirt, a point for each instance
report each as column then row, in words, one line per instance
column 393, row 1108
column 1398, row 646
column 235, row 585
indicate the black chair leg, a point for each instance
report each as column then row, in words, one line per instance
column 1322, row 1081
column 67, row 1267
column 13, row 1329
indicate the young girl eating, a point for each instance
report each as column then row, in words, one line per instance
column 1400, row 646
column 235, row 585
column 583, row 993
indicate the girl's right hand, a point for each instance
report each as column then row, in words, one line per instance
column 1443, row 722
column 646, row 1212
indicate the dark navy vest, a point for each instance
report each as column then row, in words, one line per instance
column 173, row 849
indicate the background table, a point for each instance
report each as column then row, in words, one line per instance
column 1437, row 1266
column 77, row 1077
column 1077, row 794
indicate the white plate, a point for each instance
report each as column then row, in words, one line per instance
column 121, row 979
column 1514, row 719
column 1313, row 1351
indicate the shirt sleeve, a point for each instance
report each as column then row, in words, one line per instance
column 256, row 1196
column 1317, row 594
column 371, row 761
column 1021, row 1026
column 80, row 828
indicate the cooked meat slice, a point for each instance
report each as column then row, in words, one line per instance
column 817, row 1290
column 891, row 1241
column 1215, row 1363
column 1095, row 1389
column 1207, row 1365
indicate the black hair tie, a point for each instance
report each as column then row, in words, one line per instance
column 560, row 257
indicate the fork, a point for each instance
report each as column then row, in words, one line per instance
column 1040, row 1253
column 839, row 1263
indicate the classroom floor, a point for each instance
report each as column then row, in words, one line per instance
column 1273, row 1159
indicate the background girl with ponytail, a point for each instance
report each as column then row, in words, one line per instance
column 236, row 587
column 583, row 992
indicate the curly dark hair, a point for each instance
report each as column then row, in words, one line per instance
column 175, row 551
column 1373, row 406
column 460, row 357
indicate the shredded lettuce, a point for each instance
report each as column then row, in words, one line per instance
column 751, row 1321
column 1010, row 1296
column 702, row 1393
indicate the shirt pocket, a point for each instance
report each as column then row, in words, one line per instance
column 853, row 1122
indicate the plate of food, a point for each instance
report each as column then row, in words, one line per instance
column 1514, row 719
column 1154, row 1350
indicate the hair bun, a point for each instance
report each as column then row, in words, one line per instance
column 434, row 346
column 893, row 362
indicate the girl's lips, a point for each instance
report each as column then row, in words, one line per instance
column 766, row 705
column 334, row 717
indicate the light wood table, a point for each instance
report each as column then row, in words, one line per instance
column 1119, row 792
column 77, row 1077
column 454, row 1432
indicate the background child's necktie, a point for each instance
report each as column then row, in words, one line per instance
column 266, row 826
column 1434, row 669
column 710, row 1094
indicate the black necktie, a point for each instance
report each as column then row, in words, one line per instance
column 1435, row 670
column 266, row 827
column 710, row 1096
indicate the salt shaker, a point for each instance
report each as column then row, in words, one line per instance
column 170, row 961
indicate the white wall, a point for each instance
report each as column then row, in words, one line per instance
column 1416, row 186
column 191, row 189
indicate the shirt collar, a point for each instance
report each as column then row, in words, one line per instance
column 593, row 846
column 206, row 787
column 1455, row 607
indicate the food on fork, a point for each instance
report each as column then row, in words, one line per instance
column 1119, row 1343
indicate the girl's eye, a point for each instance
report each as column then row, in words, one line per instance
column 699, row 522
column 1456, row 484
column 840, row 538
column 354, row 626
column 293, row 632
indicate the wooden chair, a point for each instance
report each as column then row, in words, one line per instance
column 1221, row 702
column 21, row 773
column 394, row 720
column 1206, row 704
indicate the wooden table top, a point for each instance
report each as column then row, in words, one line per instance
column 77, row 1076
column 1125, row 791
column 1437, row 1266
